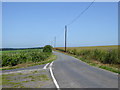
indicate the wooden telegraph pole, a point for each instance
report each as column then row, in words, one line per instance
column 65, row 36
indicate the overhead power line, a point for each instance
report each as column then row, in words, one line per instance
column 81, row 13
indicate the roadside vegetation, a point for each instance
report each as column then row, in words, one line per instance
column 33, row 79
column 20, row 58
column 105, row 57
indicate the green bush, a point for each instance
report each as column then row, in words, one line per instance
column 47, row 48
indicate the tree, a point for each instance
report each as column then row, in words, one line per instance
column 47, row 48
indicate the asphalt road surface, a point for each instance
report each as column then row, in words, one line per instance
column 27, row 68
column 73, row 73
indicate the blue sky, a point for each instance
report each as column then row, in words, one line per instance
column 36, row 24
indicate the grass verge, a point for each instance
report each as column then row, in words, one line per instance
column 95, row 63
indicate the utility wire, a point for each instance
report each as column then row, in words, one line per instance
column 81, row 13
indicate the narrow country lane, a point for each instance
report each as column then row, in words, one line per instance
column 72, row 73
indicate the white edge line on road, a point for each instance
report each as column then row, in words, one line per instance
column 51, row 64
column 45, row 66
column 54, row 80
column 96, row 67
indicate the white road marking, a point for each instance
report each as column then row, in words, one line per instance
column 54, row 80
column 51, row 64
column 21, row 71
column 45, row 66
column 96, row 67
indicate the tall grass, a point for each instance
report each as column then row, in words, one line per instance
column 104, row 55
column 12, row 58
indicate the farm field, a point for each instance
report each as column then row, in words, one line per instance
column 92, row 47
column 23, row 58
column 105, row 57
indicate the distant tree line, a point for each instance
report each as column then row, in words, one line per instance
column 6, row 49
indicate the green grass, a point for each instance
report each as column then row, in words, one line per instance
column 42, row 77
column 35, row 72
column 105, row 57
column 11, row 51
column 7, row 81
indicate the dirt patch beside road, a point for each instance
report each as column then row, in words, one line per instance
column 33, row 79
